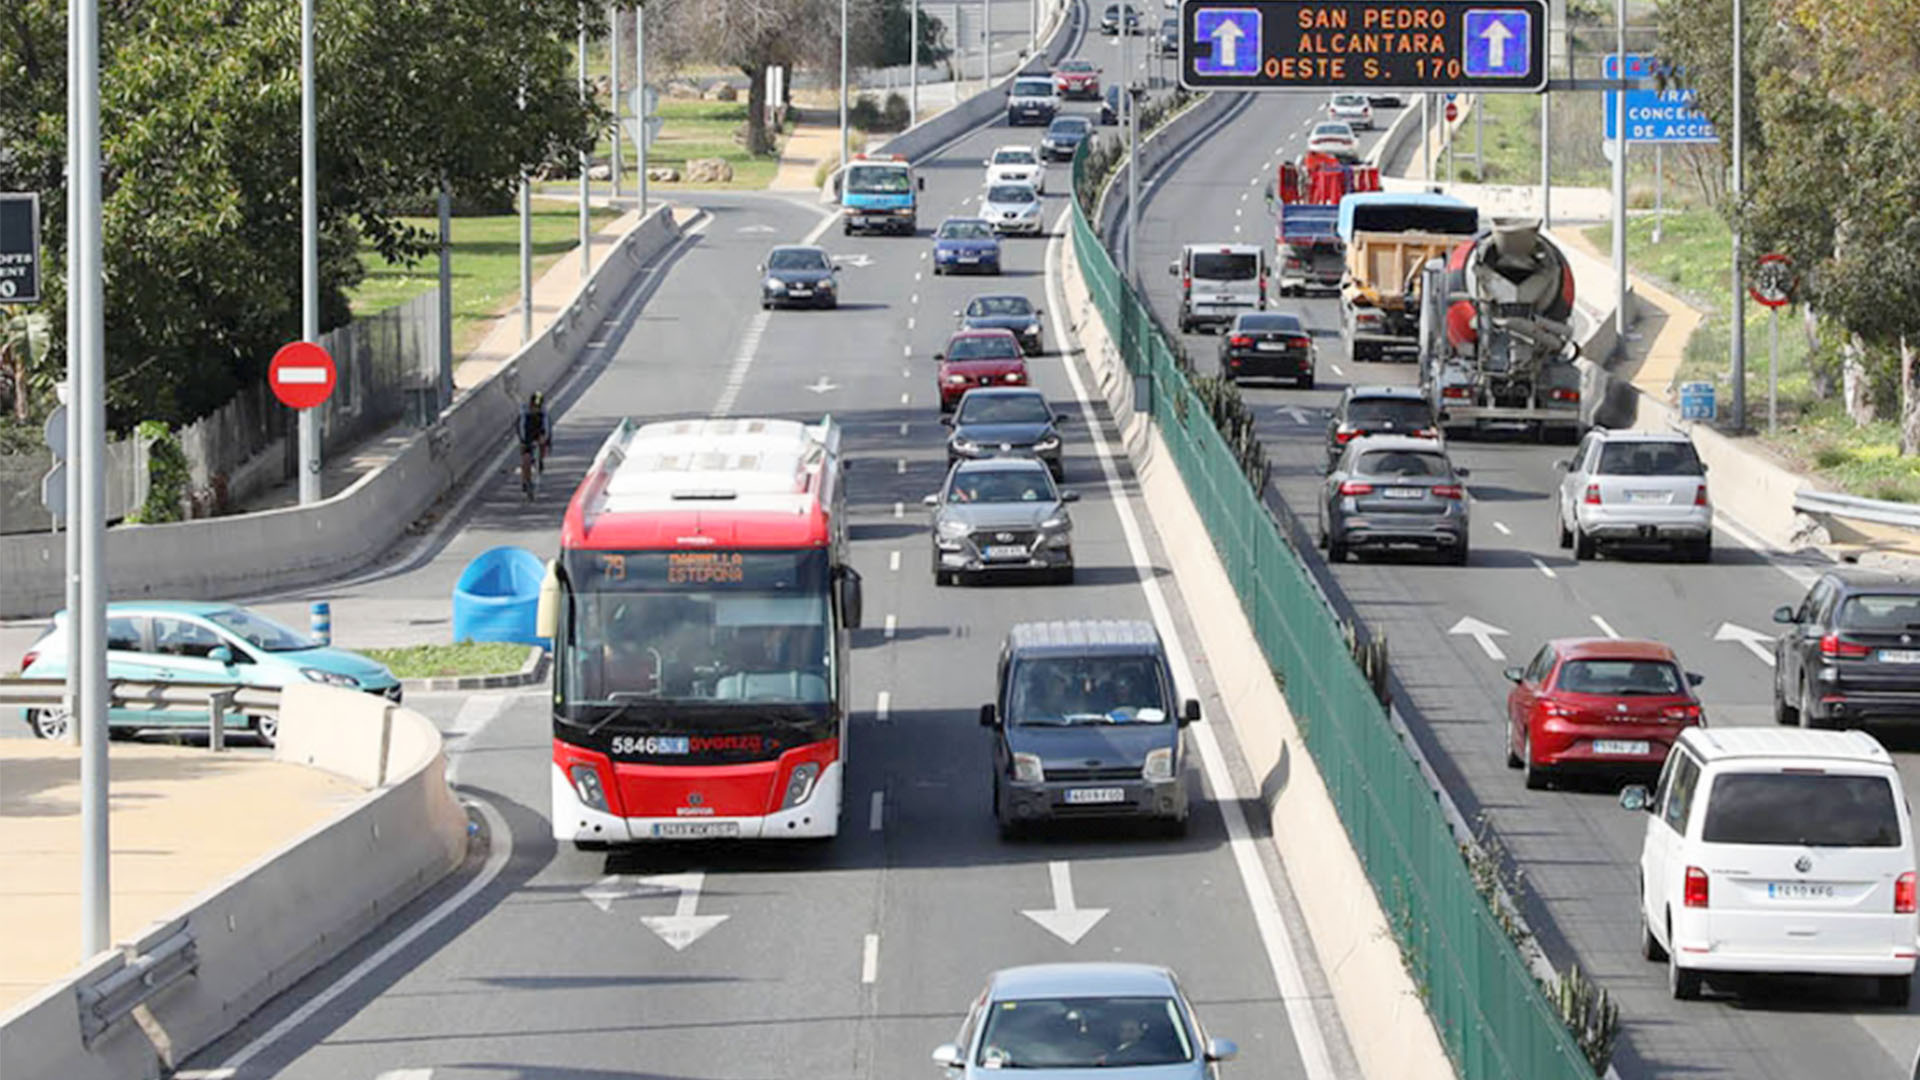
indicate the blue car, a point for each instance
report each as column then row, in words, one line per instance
column 966, row 245
column 163, row 641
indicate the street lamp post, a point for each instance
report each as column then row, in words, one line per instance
column 308, row 423
column 586, row 163
column 1739, row 187
column 640, row 88
column 613, row 85
column 913, row 63
column 846, row 141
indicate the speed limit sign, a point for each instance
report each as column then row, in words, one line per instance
column 1773, row 280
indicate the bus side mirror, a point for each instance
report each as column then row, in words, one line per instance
column 546, row 618
column 848, row 586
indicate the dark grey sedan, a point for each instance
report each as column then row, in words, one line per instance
column 799, row 276
column 1393, row 491
column 999, row 515
column 1005, row 423
column 1007, row 311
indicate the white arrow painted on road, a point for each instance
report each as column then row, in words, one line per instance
column 1497, row 36
column 756, row 229
column 608, row 889
column 1064, row 920
column 685, row 926
column 822, row 386
column 1483, row 634
column 857, row 259
column 1750, row 639
column 1297, row 416
column 1227, row 36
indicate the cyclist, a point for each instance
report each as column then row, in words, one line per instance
column 531, row 428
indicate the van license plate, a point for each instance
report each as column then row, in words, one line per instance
column 1621, row 747
column 1899, row 656
column 694, row 830
column 1799, row 890
column 1082, row 796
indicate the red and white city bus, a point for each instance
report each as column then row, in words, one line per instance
column 699, row 611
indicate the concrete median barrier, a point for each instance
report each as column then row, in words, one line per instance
column 259, row 932
column 300, row 545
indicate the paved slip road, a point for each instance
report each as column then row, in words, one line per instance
column 856, row 958
column 1577, row 849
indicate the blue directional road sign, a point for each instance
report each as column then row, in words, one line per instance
column 1499, row 44
column 1234, row 34
column 1656, row 116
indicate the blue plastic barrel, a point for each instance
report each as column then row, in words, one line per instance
column 320, row 622
column 1697, row 401
column 498, row 597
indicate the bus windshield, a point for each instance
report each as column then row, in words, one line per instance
column 878, row 180
column 696, row 628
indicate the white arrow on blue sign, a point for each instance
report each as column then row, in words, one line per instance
column 1234, row 34
column 1499, row 44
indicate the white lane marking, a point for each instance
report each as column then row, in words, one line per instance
column 742, row 362
column 1748, row 639
column 1482, row 634
column 906, row 399
column 876, row 811
column 900, row 467
column 916, row 275
column 1239, row 210
column 1543, row 567
column 497, row 856
column 1243, row 196
column 1065, row 920
column 899, row 510
column 204, row 1074
column 905, row 373
column 817, row 230
column 916, row 296
column 1282, row 958
column 1504, row 531
column 1336, row 370
column 889, row 626
column 475, row 714
column 893, row 560
column 910, row 321
column 882, row 707
column 870, row 953
column 1236, row 230
column 1253, row 182
column 1604, row 628
column 406, row 1074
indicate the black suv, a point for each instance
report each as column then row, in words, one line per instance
column 1378, row 410
column 1851, row 651
column 1085, row 725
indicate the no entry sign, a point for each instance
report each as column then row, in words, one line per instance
column 302, row 375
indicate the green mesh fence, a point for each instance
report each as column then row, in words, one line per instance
column 1491, row 1013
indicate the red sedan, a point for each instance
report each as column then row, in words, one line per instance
column 1077, row 78
column 1597, row 704
column 979, row 358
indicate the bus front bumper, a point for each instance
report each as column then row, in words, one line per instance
column 818, row 816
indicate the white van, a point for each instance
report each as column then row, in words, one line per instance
column 1219, row 281
column 1784, row 852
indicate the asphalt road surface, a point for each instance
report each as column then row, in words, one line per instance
column 1577, row 849
column 851, row 959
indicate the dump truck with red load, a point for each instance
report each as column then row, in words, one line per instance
column 1308, row 250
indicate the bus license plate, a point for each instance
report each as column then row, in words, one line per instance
column 1799, row 890
column 1013, row 551
column 1621, row 747
column 1083, row 796
column 694, row 830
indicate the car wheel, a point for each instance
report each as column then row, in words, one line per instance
column 1650, row 947
column 1808, row 718
column 1063, row 576
column 1582, row 545
column 1535, row 776
column 1336, row 549
column 1701, row 550
column 846, row 229
column 766, row 305
column 1566, row 534
column 1784, row 714
column 266, row 729
column 1896, row 990
column 1458, row 556
column 1683, row 983
column 50, row 723
column 1506, row 737
column 1174, row 828
column 1306, row 383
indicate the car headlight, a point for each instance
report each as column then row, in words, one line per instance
column 1032, row 330
column 1159, row 764
column 965, row 446
column 800, row 784
column 1030, row 210
column 1051, row 442
column 824, row 285
column 586, row 784
column 331, row 678
column 774, row 283
column 1058, row 521
column 1027, row 770
column 943, row 254
column 957, row 380
column 951, row 528
column 1014, row 376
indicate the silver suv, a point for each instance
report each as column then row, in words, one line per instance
column 1635, row 487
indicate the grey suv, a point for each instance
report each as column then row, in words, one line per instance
column 1850, row 651
column 1393, row 491
column 1086, row 724
column 1000, row 515
column 1635, row 487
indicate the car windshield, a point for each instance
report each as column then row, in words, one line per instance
column 796, row 259
column 1389, row 413
column 965, row 230
column 1402, row 463
column 1002, row 486
column 1010, row 193
column 1069, row 125
column 1032, row 88
column 1349, row 100
column 1649, row 459
column 878, row 180
column 988, row 306
column 1075, row 65
column 1879, row 612
column 1621, row 678
column 983, row 347
column 1226, row 266
column 261, row 632
column 1340, row 130
column 1084, row 1033
column 1802, row 810
column 977, row 408
column 1281, row 323
column 1013, row 157
column 1068, row 690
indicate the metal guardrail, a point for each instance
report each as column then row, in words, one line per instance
column 125, row 989
column 218, row 699
column 1880, row 511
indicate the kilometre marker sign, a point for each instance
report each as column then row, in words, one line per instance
column 1406, row 45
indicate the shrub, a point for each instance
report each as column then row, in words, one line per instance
column 167, row 475
column 894, row 113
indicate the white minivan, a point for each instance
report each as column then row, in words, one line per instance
column 1218, row 282
column 1785, row 852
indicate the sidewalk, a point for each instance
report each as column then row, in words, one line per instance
column 182, row 819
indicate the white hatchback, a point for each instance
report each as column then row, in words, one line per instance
column 1017, row 165
column 1786, row 852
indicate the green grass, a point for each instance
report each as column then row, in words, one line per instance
column 1511, row 136
column 486, row 266
column 465, row 658
column 704, row 129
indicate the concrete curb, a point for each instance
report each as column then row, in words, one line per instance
column 533, row 671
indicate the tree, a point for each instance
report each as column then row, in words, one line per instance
column 886, row 40
column 750, row 36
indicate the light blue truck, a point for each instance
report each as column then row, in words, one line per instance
column 880, row 194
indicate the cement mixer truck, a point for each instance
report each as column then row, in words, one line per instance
column 1496, row 344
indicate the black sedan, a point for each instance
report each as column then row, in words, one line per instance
column 1267, row 345
column 1064, row 137
column 1014, row 422
column 1008, row 311
column 799, row 276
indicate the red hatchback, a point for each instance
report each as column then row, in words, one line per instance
column 975, row 358
column 1077, row 78
column 1598, row 705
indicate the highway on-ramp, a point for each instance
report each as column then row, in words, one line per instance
column 1577, row 849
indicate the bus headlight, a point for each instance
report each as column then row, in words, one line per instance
column 586, row 784
column 800, row 784
column 1159, row 764
column 1027, row 770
